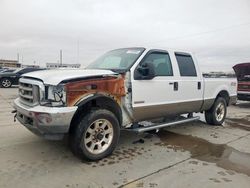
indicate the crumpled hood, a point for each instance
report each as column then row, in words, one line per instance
column 56, row 76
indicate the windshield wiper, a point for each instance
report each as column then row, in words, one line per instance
column 120, row 71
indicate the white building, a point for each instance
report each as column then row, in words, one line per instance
column 9, row 63
column 58, row 65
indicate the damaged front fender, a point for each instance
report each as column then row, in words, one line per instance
column 110, row 86
column 106, row 92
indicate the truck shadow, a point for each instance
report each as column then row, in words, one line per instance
column 132, row 145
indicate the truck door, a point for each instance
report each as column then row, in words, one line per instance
column 190, row 83
column 155, row 97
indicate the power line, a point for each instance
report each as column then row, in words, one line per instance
column 205, row 32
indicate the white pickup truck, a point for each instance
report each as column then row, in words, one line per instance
column 118, row 91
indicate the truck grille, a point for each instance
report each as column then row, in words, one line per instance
column 28, row 93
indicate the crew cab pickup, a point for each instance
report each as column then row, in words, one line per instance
column 121, row 90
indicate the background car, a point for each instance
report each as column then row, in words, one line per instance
column 7, row 79
column 7, row 70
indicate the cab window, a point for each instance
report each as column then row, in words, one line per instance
column 186, row 64
column 161, row 62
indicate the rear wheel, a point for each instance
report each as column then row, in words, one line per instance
column 6, row 83
column 96, row 135
column 217, row 114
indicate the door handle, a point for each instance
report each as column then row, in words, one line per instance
column 199, row 85
column 176, row 85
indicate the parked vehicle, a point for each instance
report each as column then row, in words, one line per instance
column 3, row 69
column 7, row 70
column 120, row 90
column 243, row 75
column 7, row 79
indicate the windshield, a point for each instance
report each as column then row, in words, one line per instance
column 120, row 59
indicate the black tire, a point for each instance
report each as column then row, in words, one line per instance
column 212, row 115
column 6, row 83
column 78, row 141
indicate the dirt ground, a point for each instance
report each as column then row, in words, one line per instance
column 190, row 155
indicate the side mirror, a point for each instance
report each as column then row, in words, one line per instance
column 145, row 72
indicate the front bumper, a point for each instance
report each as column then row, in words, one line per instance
column 49, row 122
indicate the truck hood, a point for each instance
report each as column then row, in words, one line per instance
column 55, row 77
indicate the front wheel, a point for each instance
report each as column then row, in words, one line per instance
column 217, row 114
column 96, row 135
column 6, row 83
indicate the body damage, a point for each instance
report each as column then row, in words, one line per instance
column 112, row 86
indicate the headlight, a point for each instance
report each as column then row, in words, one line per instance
column 55, row 96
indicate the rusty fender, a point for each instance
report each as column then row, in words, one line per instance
column 111, row 86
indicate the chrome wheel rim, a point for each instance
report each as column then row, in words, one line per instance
column 220, row 112
column 99, row 136
column 6, row 83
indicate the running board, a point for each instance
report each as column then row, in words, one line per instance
column 162, row 125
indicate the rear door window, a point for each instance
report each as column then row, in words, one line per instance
column 186, row 64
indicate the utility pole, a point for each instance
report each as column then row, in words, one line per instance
column 77, row 60
column 17, row 57
column 60, row 57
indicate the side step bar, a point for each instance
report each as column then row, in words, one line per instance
column 162, row 125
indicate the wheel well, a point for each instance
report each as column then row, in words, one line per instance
column 2, row 78
column 96, row 102
column 224, row 94
column 5, row 78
